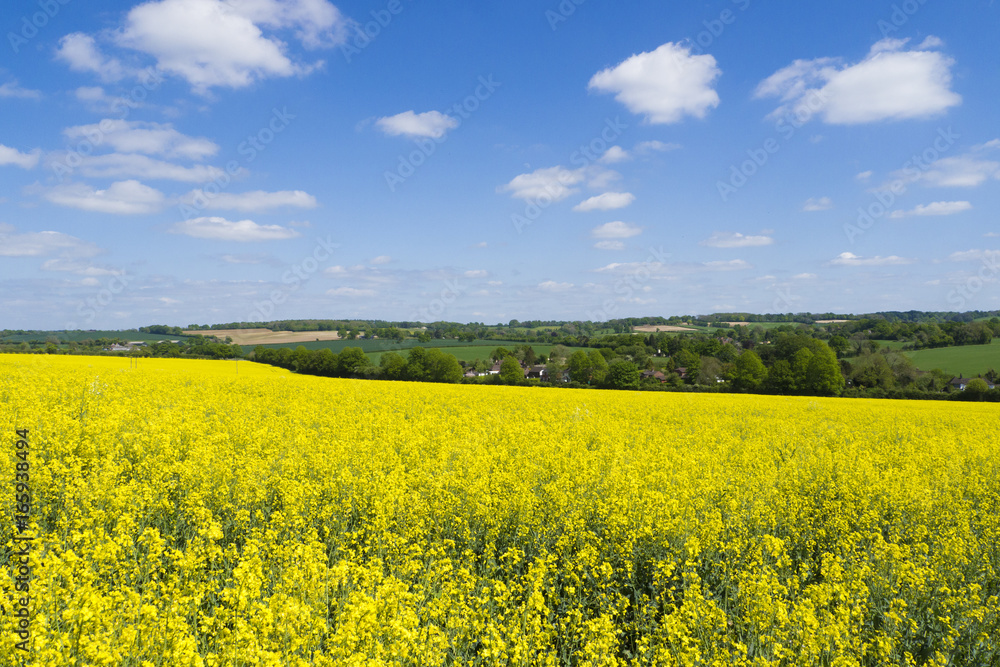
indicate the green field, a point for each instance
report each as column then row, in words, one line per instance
column 966, row 360
column 80, row 336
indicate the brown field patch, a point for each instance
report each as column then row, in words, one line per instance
column 266, row 336
column 662, row 328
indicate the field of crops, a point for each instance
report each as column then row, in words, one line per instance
column 185, row 514
column 965, row 360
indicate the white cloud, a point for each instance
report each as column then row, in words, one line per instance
column 476, row 274
column 381, row 259
column 12, row 156
column 350, row 292
column 81, row 53
column 655, row 146
column 212, row 43
column 614, row 155
column 992, row 235
column 120, row 198
column 735, row 240
column 42, row 244
column 610, row 245
column 850, row 259
column 962, row 171
column 731, row 265
column 121, row 165
column 250, row 202
column 821, row 204
column 553, row 286
column 433, row 124
column 991, row 256
column 805, row 276
column 934, row 209
column 888, row 84
column 553, row 183
column 79, row 268
column 608, row 201
column 244, row 231
column 665, row 85
column 140, row 137
column 11, row 89
column 616, row 230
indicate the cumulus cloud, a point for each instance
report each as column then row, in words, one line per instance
column 889, row 84
column 736, row 240
column 614, row 155
column 12, row 156
column 125, row 165
column 433, row 124
column 821, row 204
column 937, row 208
column 664, row 85
column 616, row 230
column 553, row 183
column 961, row 171
column 553, row 286
column 12, row 89
column 654, row 146
column 82, row 54
column 220, row 229
column 120, row 198
column 479, row 273
column 991, row 256
column 249, row 202
column 609, row 245
column 140, row 137
column 211, row 43
column 608, row 201
column 731, row 265
column 850, row 259
column 42, row 244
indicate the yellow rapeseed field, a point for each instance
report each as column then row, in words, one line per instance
column 184, row 514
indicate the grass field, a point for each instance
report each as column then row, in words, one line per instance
column 966, row 360
column 181, row 514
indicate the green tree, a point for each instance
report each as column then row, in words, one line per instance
column 392, row 366
column 749, row 372
column 823, row 376
column 977, row 388
column 580, row 367
column 599, row 367
column 510, row 371
column 442, row 367
column 352, row 362
column 622, row 374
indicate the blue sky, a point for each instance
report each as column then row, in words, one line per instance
column 204, row 161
